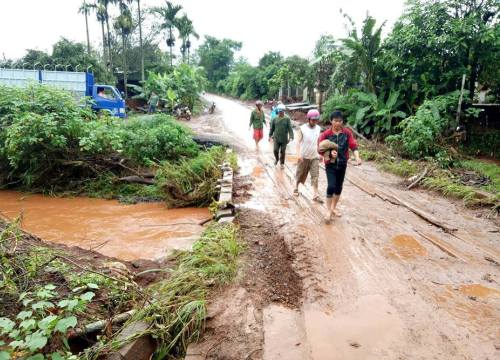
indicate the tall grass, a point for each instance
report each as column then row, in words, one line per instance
column 191, row 182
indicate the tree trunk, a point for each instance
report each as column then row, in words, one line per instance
column 140, row 39
column 183, row 51
column 171, row 56
column 110, row 57
column 103, row 43
column 87, row 28
column 124, row 45
column 320, row 101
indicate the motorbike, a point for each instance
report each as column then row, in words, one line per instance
column 183, row 112
column 211, row 109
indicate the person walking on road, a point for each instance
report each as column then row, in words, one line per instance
column 336, row 160
column 307, row 151
column 153, row 102
column 281, row 133
column 257, row 122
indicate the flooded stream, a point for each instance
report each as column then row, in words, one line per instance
column 127, row 232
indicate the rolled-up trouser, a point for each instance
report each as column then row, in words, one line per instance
column 305, row 167
column 335, row 177
column 279, row 151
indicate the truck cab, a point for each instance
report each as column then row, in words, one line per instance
column 107, row 98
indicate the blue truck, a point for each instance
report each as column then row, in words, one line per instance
column 80, row 84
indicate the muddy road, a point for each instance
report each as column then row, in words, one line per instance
column 382, row 282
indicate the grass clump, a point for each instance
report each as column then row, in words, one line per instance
column 448, row 187
column 191, row 181
column 487, row 169
column 403, row 168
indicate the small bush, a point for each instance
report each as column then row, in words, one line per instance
column 157, row 139
column 421, row 133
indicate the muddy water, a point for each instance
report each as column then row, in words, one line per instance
column 405, row 247
column 127, row 232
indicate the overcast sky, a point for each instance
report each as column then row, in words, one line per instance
column 291, row 27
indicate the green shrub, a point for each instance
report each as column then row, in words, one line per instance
column 421, row 133
column 157, row 139
column 47, row 139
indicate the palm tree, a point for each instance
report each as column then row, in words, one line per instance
column 85, row 10
column 105, row 5
column 101, row 17
column 124, row 25
column 186, row 29
column 140, row 39
column 168, row 15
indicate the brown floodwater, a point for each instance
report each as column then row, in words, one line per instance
column 127, row 232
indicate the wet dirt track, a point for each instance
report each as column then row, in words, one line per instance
column 127, row 232
column 380, row 282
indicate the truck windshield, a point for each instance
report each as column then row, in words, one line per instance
column 106, row 93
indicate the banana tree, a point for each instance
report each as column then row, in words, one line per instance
column 375, row 114
column 365, row 49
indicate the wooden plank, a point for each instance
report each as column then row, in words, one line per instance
column 442, row 245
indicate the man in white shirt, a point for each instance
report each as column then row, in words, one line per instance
column 307, row 151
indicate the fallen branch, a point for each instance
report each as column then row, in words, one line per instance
column 491, row 260
column 358, row 134
column 439, row 243
column 151, row 271
column 90, row 270
column 396, row 201
column 101, row 324
column 419, row 178
column 135, row 179
column 203, row 222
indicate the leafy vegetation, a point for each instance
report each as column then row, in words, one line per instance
column 48, row 143
column 42, row 320
column 180, row 86
column 45, row 295
column 421, row 132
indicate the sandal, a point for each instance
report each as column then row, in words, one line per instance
column 318, row 199
column 296, row 192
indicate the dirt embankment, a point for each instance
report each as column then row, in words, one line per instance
column 234, row 328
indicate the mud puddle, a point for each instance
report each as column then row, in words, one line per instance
column 127, row 232
column 405, row 247
column 365, row 329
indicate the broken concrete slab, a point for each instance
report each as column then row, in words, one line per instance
column 138, row 349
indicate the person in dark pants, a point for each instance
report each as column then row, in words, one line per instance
column 336, row 160
column 281, row 133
